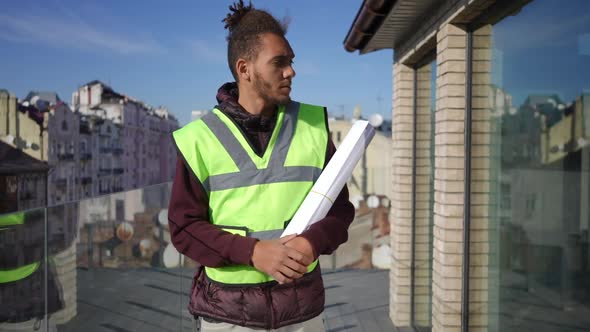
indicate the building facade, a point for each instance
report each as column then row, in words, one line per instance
column 132, row 133
column 45, row 128
column 23, row 180
column 371, row 176
column 490, row 212
column 61, row 129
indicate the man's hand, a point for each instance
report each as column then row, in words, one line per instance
column 279, row 261
column 303, row 246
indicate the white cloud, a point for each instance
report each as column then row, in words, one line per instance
column 207, row 51
column 549, row 33
column 60, row 31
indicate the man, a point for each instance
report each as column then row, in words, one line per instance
column 243, row 171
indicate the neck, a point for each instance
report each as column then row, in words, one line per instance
column 253, row 103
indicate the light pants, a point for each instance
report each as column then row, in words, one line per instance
column 315, row 324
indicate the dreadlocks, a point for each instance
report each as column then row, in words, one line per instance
column 245, row 25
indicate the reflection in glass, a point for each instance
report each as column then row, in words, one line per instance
column 110, row 266
column 115, row 274
column 22, row 271
column 538, row 88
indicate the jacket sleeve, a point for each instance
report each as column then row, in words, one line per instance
column 191, row 231
column 327, row 234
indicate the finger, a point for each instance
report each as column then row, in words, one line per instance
column 295, row 266
column 295, row 254
column 307, row 260
column 281, row 278
column 299, row 256
column 289, row 273
column 287, row 238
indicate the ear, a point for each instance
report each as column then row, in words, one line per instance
column 243, row 69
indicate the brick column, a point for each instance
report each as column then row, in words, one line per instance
column 424, row 193
column 449, row 179
column 401, row 196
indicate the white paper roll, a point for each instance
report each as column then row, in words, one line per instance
column 324, row 192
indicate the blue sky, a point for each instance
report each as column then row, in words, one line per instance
column 545, row 49
column 174, row 53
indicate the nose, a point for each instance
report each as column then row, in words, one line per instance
column 289, row 72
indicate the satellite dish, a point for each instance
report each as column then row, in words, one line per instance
column 376, row 120
column 163, row 217
column 125, row 231
column 373, row 201
column 381, row 257
column 171, row 257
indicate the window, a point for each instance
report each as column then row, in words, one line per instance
column 539, row 64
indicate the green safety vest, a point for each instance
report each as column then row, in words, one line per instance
column 22, row 272
column 250, row 195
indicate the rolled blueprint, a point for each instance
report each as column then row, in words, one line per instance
column 320, row 199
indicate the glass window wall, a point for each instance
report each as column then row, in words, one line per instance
column 530, row 253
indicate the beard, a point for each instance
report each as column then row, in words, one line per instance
column 264, row 90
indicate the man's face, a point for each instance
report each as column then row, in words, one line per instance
column 273, row 69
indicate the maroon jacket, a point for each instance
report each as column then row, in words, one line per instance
column 194, row 236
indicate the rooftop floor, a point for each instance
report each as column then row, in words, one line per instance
column 156, row 300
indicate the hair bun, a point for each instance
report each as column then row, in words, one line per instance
column 237, row 11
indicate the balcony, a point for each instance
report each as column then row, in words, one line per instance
column 86, row 180
column 118, row 151
column 104, row 191
column 105, row 171
column 118, row 170
column 150, row 288
column 105, row 150
column 85, row 156
column 65, row 156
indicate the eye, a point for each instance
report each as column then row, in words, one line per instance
column 283, row 62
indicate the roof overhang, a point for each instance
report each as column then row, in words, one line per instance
column 381, row 24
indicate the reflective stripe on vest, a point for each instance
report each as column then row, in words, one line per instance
column 12, row 219
column 253, row 195
column 18, row 273
column 249, row 174
column 22, row 272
